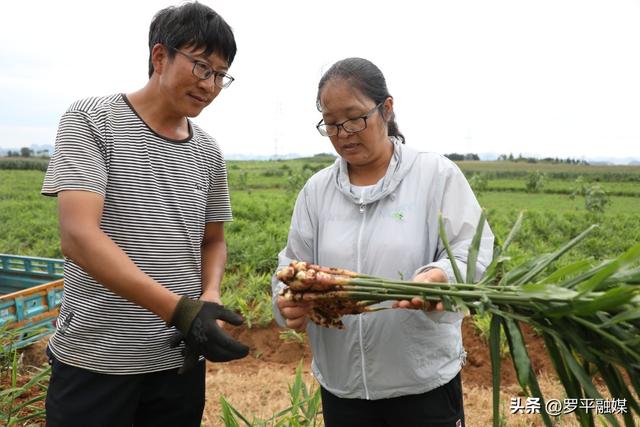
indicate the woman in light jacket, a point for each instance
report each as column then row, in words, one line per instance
column 375, row 211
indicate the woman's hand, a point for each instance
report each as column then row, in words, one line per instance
column 417, row 303
column 295, row 313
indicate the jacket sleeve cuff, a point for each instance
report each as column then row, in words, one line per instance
column 444, row 265
column 277, row 286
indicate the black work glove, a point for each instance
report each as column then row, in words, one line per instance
column 196, row 322
column 191, row 358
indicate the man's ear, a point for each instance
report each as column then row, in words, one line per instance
column 159, row 57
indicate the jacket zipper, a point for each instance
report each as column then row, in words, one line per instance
column 362, row 211
column 364, row 374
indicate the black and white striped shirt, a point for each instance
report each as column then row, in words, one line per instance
column 158, row 195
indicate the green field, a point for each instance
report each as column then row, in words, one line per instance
column 559, row 186
column 263, row 194
column 552, row 202
column 617, row 173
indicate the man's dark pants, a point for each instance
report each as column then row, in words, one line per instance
column 79, row 397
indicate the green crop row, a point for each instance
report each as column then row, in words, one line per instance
column 27, row 163
column 28, row 226
column 504, row 169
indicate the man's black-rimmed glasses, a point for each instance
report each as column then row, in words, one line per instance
column 204, row 71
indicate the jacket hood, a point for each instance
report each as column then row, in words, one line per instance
column 401, row 162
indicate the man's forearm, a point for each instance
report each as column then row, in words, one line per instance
column 108, row 264
column 214, row 257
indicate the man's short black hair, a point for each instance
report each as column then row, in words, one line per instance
column 192, row 25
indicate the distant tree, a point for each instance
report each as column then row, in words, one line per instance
column 297, row 179
column 511, row 157
column 454, row 156
column 535, row 182
column 471, row 156
column 502, row 157
column 479, row 182
column 580, row 188
column 26, row 152
column 596, row 199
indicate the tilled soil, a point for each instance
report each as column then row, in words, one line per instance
column 258, row 384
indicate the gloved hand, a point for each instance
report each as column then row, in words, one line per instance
column 197, row 326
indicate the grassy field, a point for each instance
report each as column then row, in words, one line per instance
column 566, row 187
column 28, row 220
column 263, row 194
column 565, row 171
column 508, row 201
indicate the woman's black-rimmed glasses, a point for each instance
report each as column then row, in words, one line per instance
column 354, row 125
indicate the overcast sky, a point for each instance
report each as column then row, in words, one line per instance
column 546, row 77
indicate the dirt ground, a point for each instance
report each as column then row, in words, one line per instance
column 258, row 384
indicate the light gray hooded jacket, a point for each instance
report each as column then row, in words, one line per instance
column 389, row 231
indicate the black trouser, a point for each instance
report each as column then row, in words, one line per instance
column 79, row 397
column 441, row 407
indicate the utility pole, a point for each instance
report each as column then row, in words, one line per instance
column 468, row 142
column 278, row 123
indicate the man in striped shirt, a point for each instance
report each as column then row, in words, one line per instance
column 142, row 194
